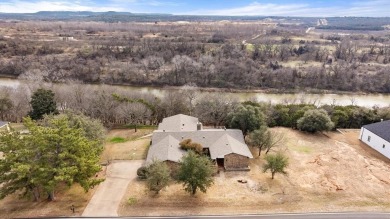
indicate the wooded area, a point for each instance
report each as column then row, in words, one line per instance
column 119, row 107
column 245, row 54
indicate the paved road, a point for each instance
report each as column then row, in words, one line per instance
column 106, row 200
column 354, row 215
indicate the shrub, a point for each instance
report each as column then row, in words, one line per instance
column 187, row 144
column 132, row 201
column 314, row 121
column 142, row 173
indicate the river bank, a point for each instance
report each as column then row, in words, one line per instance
column 263, row 95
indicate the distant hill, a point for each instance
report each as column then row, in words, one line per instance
column 113, row 16
column 334, row 23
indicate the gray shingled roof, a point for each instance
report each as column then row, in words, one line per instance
column 382, row 129
column 2, row 123
column 166, row 149
column 228, row 145
column 179, row 122
column 219, row 141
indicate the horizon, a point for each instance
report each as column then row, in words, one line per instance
column 282, row 8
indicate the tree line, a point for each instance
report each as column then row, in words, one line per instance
column 114, row 106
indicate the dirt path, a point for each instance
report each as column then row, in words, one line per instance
column 108, row 196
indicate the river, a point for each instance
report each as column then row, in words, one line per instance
column 367, row 100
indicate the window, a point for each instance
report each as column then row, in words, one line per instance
column 369, row 138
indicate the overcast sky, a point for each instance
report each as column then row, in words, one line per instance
column 362, row 8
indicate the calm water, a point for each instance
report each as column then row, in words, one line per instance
column 368, row 100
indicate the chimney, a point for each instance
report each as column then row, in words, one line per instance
column 381, row 120
column 224, row 128
column 199, row 126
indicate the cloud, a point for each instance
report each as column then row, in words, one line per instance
column 20, row 6
column 375, row 8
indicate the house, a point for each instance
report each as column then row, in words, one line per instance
column 225, row 146
column 377, row 136
column 4, row 126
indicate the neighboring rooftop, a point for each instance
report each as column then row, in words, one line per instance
column 382, row 129
column 3, row 123
column 179, row 122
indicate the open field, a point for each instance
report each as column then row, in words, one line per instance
column 332, row 172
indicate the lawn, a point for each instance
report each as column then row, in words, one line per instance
column 126, row 144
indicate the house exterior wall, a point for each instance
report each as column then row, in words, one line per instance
column 375, row 142
column 236, row 161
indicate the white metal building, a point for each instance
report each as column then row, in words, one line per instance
column 377, row 136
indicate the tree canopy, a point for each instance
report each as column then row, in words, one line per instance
column 314, row 121
column 260, row 138
column 195, row 173
column 264, row 139
column 276, row 164
column 42, row 102
column 247, row 118
column 49, row 155
column 93, row 129
column 157, row 176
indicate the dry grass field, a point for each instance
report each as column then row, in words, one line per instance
column 15, row 207
column 130, row 145
column 332, row 172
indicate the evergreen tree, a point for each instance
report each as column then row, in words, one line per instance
column 47, row 156
column 42, row 102
column 314, row 121
column 247, row 118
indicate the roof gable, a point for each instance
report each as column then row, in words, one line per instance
column 166, row 149
column 228, row 145
column 179, row 122
column 381, row 129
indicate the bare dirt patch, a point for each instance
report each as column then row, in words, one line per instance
column 327, row 172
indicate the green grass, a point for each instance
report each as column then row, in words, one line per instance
column 118, row 140
column 132, row 201
column 131, row 126
column 302, row 149
column 250, row 47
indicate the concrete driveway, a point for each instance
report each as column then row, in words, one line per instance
column 106, row 200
